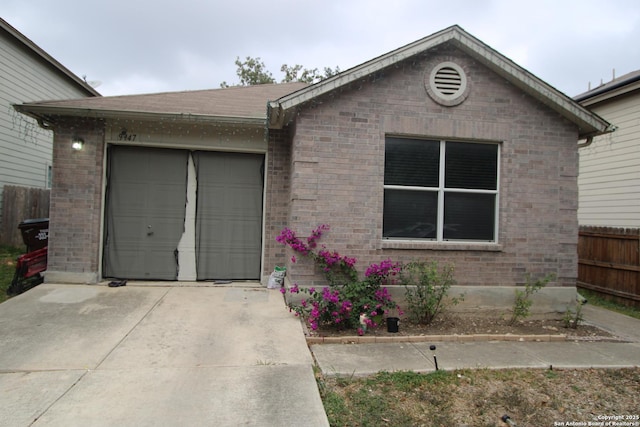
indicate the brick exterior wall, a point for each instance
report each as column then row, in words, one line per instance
column 278, row 196
column 76, row 199
column 336, row 173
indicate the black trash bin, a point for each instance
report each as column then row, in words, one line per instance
column 35, row 233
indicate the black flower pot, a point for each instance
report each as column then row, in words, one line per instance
column 393, row 324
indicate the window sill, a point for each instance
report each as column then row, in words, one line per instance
column 441, row 246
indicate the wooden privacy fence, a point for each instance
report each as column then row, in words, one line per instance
column 18, row 204
column 609, row 262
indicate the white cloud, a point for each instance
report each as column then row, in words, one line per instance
column 144, row 45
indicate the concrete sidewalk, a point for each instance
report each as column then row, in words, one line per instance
column 366, row 359
column 147, row 356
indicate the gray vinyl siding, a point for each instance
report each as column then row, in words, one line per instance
column 609, row 178
column 26, row 148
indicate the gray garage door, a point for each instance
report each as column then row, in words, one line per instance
column 146, row 198
column 145, row 213
column 228, row 215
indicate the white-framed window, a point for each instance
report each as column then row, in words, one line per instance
column 440, row 190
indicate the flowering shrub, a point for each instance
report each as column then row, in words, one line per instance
column 347, row 302
column 356, row 305
column 381, row 272
column 338, row 269
column 322, row 307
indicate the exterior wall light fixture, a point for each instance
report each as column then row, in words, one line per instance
column 77, row 143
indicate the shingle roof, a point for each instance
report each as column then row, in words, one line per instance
column 238, row 103
column 616, row 83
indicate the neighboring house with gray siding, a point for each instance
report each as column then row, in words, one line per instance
column 442, row 149
column 28, row 74
column 609, row 178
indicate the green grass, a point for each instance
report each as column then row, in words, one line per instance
column 378, row 400
column 597, row 300
column 8, row 256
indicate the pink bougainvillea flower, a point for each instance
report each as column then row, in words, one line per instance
column 288, row 237
column 316, row 234
column 383, row 270
column 293, row 259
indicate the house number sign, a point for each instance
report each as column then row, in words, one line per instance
column 126, row 136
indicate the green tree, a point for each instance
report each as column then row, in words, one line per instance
column 253, row 71
column 299, row 74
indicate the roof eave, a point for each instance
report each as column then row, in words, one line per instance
column 48, row 114
column 588, row 123
column 612, row 92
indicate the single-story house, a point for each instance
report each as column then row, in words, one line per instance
column 442, row 149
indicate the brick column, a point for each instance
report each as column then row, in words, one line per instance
column 76, row 203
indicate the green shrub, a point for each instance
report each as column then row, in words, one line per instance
column 522, row 304
column 572, row 319
column 426, row 288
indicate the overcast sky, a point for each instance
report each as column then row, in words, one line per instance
column 147, row 46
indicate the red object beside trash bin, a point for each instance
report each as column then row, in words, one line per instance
column 32, row 263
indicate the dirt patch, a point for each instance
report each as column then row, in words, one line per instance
column 541, row 398
column 468, row 325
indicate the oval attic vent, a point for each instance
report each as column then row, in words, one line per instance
column 447, row 84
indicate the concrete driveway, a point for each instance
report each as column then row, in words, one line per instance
column 74, row 355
